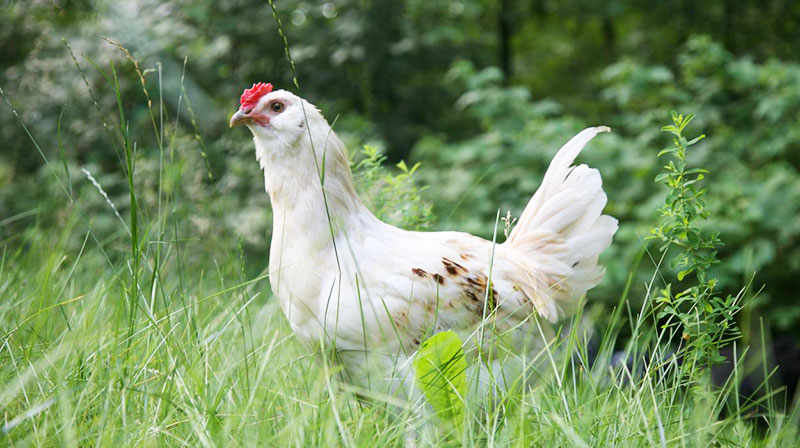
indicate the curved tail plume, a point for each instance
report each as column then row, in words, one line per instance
column 562, row 232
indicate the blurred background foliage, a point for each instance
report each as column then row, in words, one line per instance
column 481, row 92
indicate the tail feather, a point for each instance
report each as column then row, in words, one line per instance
column 561, row 233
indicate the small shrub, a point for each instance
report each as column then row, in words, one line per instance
column 394, row 198
column 705, row 319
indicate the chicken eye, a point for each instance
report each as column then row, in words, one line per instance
column 276, row 106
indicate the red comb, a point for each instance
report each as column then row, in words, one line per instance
column 251, row 96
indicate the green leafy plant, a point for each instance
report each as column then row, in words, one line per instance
column 395, row 198
column 440, row 370
column 705, row 318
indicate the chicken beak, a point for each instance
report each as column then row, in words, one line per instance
column 238, row 118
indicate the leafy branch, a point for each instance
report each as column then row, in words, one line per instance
column 706, row 319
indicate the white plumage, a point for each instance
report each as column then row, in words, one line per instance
column 341, row 275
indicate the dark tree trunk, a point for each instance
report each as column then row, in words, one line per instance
column 729, row 26
column 610, row 36
column 504, row 39
column 383, row 72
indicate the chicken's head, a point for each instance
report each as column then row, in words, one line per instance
column 270, row 115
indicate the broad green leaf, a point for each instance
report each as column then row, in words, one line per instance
column 440, row 370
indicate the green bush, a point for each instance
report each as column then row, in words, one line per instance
column 750, row 110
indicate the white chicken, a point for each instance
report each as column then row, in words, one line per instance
column 344, row 277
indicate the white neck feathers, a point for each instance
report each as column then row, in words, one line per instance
column 295, row 171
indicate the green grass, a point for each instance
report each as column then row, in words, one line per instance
column 151, row 335
column 209, row 360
